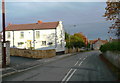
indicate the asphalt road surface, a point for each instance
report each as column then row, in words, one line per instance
column 85, row 66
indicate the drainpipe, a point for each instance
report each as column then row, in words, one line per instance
column 34, row 38
column 55, row 38
column 13, row 39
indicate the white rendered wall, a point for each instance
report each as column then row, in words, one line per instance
column 60, row 37
column 56, row 36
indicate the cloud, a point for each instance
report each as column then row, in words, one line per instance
column 85, row 15
column 57, row 0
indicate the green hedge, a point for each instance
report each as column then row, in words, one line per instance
column 111, row 46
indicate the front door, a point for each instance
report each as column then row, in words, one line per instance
column 29, row 45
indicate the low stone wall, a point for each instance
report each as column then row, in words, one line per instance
column 7, row 53
column 113, row 57
column 72, row 50
column 32, row 53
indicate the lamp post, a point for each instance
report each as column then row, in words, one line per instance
column 4, row 43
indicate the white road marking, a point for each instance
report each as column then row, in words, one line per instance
column 70, row 76
column 80, row 63
column 67, row 75
column 76, row 63
column 84, row 58
column 67, row 78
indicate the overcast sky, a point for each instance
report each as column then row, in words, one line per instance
column 87, row 16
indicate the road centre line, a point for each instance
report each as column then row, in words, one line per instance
column 76, row 63
column 70, row 76
column 80, row 63
column 84, row 58
column 66, row 75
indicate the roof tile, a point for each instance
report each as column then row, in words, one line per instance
column 44, row 25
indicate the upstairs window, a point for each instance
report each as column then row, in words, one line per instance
column 22, row 35
column 43, row 43
column 8, row 34
column 37, row 34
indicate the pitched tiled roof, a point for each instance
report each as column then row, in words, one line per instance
column 44, row 25
column 94, row 41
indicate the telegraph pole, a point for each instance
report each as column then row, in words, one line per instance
column 4, row 43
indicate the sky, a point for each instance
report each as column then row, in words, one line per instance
column 83, row 17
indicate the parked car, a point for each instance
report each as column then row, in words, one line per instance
column 83, row 49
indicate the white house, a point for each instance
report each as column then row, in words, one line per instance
column 40, row 35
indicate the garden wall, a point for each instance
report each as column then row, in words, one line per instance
column 7, row 53
column 72, row 50
column 113, row 57
column 32, row 53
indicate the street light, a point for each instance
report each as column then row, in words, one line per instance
column 4, row 43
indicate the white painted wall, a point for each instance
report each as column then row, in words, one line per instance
column 97, row 45
column 60, row 37
column 54, row 36
column 47, row 35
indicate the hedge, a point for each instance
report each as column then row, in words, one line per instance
column 111, row 46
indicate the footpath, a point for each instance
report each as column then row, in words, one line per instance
column 29, row 65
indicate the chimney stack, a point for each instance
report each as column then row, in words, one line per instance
column 39, row 21
column 99, row 39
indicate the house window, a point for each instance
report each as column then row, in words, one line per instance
column 50, row 43
column 37, row 34
column 20, row 44
column 43, row 43
column 8, row 34
column 22, row 35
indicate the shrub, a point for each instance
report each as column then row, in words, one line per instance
column 69, row 44
column 111, row 46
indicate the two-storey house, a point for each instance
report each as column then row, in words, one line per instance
column 40, row 36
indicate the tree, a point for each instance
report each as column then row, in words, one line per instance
column 76, row 41
column 82, row 37
column 73, row 41
column 113, row 13
column 66, row 36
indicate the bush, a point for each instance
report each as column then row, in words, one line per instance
column 111, row 46
column 69, row 44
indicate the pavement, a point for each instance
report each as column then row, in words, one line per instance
column 19, row 64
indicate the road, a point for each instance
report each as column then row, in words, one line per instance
column 85, row 66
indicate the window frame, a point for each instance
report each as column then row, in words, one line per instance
column 45, row 43
column 8, row 35
column 37, row 34
column 22, row 35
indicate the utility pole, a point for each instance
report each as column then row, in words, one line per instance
column 4, row 43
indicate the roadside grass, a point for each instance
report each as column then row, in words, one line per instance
column 114, row 69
